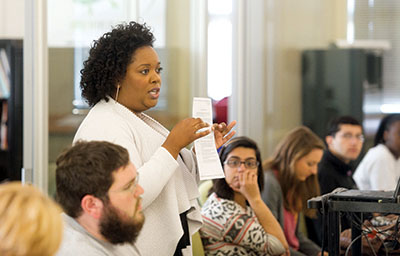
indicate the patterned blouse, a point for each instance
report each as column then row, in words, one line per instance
column 229, row 229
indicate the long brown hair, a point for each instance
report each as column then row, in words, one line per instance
column 296, row 144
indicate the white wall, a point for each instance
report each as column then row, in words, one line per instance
column 293, row 26
column 12, row 19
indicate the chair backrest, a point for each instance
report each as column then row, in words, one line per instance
column 197, row 245
column 204, row 187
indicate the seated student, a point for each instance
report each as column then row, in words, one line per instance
column 380, row 167
column 30, row 222
column 236, row 220
column 98, row 188
column 290, row 180
column 344, row 140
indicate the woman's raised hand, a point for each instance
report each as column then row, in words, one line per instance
column 184, row 133
column 223, row 133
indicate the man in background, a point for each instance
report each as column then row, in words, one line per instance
column 97, row 186
column 344, row 142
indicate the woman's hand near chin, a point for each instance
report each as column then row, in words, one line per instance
column 249, row 185
column 184, row 133
column 250, row 190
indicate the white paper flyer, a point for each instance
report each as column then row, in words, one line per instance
column 207, row 156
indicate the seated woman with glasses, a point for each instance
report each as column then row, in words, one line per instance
column 290, row 180
column 380, row 167
column 236, row 220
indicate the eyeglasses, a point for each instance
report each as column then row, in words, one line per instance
column 236, row 163
column 132, row 187
column 135, row 183
column 349, row 136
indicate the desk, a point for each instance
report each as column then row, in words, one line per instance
column 333, row 207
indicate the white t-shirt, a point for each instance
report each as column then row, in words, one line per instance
column 378, row 170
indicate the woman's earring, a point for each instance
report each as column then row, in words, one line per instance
column 116, row 95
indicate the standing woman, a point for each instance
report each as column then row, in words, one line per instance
column 236, row 220
column 120, row 80
column 290, row 180
column 380, row 167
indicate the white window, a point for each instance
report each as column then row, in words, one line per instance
column 219, row 49
column 379, row 20
column 88, row 20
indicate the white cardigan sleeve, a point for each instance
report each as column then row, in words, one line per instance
column 154, row 174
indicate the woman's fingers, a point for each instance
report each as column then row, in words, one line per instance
column 228, row 133
column 229, row 136
column 201, row 134
column 219, row 127
column 231, row 125
column 198, row 124
column 223, row 128
column 248, row 184
column 255, row 176
column 247, row 177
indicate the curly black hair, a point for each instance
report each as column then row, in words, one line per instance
column 109, row 58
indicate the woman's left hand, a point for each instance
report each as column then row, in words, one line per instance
column 223, row 133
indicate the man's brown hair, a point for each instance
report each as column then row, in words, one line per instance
column 86, row 169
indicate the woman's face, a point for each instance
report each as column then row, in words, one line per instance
column 240, row 154
column 140, row 88
column 392, row 138
column 308, row 164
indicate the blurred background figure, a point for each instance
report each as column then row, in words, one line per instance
column 380, row 167
column 344, row 140
column 236, row 220
column 290, row 180
column 30, row 222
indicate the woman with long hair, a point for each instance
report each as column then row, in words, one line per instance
column 290, row 180
column 236, row 220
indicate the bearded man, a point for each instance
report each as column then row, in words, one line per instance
column 97, row 186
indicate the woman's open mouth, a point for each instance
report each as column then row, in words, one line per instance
column 155, row 93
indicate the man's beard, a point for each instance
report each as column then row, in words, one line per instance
column 118, row 230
